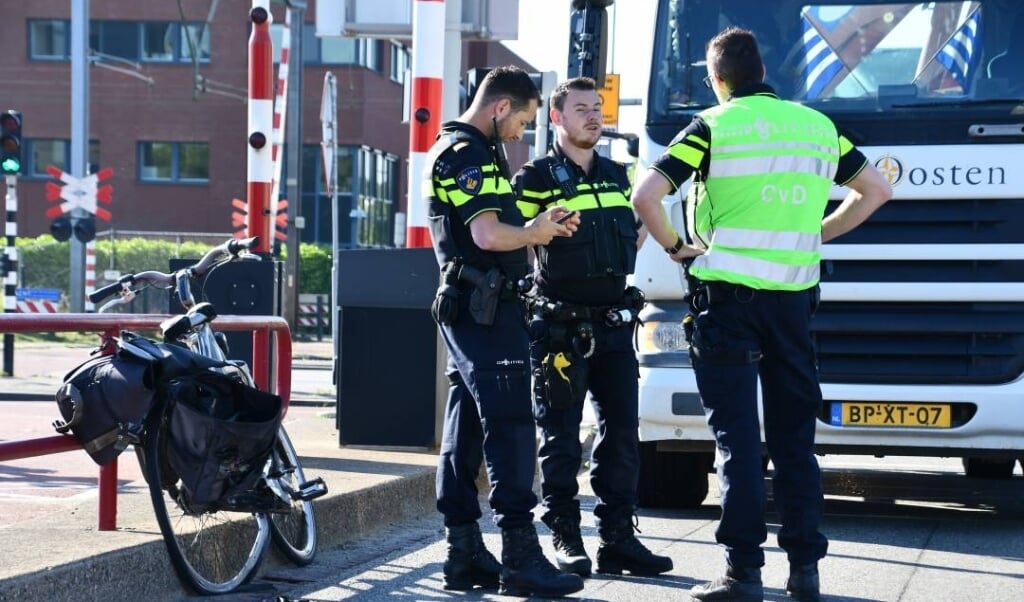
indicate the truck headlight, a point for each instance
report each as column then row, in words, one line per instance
column 661, row 337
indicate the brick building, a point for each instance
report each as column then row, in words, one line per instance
column 178, row 150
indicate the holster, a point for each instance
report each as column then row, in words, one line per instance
column 564, row 379
column 561, row 379
column 696, row 300
column 487, row 288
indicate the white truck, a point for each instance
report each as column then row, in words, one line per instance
column 920, row 334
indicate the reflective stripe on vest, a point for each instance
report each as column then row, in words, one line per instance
column 760, row 208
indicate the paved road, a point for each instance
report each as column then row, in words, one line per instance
column 920, row 533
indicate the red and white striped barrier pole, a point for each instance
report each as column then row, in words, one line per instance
column 428, row 26
column 280, row 104
column 261, row 164
column 261, row 118
column 90, row 273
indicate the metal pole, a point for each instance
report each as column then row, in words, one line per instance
column 329, row 151
column 294, row 183
column 11, row 277
column 452, row 64
column 79, row 140
column 261, row 118
column 428, row 18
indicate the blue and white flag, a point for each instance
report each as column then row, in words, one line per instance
column 958, row 55
column 820, row 63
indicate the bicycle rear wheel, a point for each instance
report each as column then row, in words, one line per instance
column 294, row 531
column 212, row 552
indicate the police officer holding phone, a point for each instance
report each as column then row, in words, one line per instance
column 763, row 170
column 480, row 240
column 581, row 337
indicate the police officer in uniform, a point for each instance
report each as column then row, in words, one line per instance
column 763, row 170
column 480, row 240
column 581, row 338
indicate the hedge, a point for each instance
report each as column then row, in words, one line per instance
column 45, row 263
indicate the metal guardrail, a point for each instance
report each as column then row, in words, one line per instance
column 111, row 325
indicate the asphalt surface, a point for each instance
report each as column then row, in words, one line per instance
column 906, row 530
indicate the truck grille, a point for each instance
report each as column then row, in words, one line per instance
column 922, row 342
column 919, row 343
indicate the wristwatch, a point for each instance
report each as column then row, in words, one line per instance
column 675, row 248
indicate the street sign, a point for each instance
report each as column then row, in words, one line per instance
column 79, row 193
column 610, row 100
column 37, row 294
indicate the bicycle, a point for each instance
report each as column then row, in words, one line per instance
column 205, row 563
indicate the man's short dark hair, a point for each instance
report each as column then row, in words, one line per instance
column 734, row 57
column 509, row 82
column 562, row 90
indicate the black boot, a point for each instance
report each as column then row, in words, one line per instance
column 570, row 555
column 469, row 564
column 526, row 572
column 741, row 585
column 620, row 550
column 803, row 583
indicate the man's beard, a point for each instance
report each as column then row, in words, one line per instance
column 583, row 140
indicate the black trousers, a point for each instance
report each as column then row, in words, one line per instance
column 611, row 378
column 743, row 338
column 488, row 418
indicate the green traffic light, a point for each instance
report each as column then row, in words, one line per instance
column 11, row 166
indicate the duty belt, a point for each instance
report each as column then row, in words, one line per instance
column 508, row 291
column 564, row 313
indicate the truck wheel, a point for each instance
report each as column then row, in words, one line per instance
column 670, row 479
column 988, row 468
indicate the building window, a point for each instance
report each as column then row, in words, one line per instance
column 376, row 198
column 121, row 39
column 399, row 63
column 43, row 152
column 370, row 54
column 335, row 50
column 49, row 39
column 158, row 42
column 325, row 51
column 367, row 175
column 174, row 161
column 149, row 41
column 195, row 36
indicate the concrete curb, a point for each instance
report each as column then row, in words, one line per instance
column 62, row 557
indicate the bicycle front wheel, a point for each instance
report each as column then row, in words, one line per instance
column 294, row 531
column 213, row 552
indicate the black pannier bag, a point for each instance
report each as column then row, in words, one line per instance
column 104, row 403
column 221, row 434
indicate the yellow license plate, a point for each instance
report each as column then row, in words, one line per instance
column 920, row 415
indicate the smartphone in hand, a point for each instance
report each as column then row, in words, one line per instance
column 565, row 217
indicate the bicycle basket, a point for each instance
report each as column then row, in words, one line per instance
column 221, row 434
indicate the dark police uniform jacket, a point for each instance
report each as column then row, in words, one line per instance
column 590, row 267
column 465, row 180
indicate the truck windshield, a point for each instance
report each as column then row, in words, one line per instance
column 860, row 57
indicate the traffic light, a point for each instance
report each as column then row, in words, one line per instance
column 588, row 39
column 10, row 143
column 85, row 228
column 60, row 228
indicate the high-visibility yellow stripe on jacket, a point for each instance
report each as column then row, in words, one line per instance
column 589, row 195
column 772, row 163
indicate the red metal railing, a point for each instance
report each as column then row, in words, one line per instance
column 110, row 325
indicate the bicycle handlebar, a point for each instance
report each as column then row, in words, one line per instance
column 231, row 247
